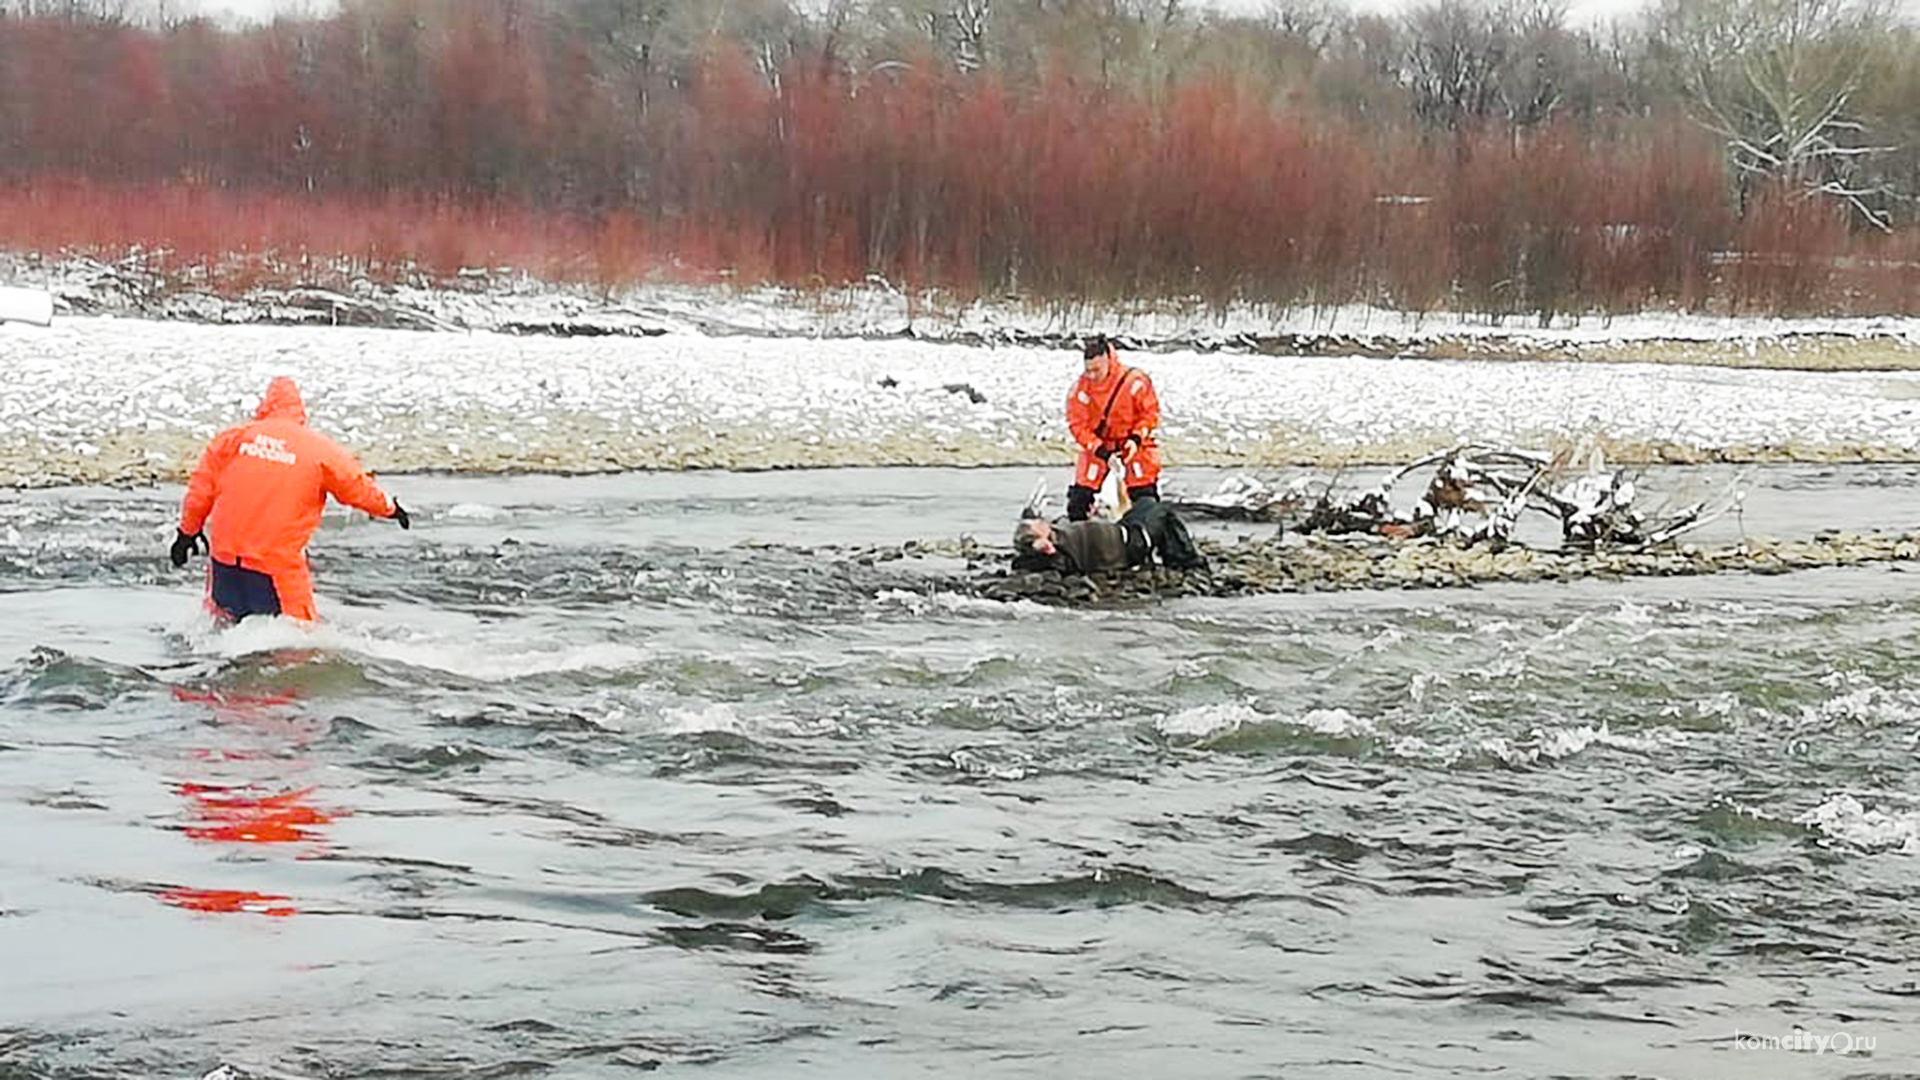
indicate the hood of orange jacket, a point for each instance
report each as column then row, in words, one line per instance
column 282, row 402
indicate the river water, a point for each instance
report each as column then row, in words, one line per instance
column 586, row 777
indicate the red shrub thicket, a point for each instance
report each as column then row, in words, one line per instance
column 393, row 140
column 248, row 237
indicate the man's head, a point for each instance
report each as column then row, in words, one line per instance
column 1034, row 535
column 1098, row 352
column 282, row 402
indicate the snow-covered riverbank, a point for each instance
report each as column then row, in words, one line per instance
column 124, row 400
column 512, row 303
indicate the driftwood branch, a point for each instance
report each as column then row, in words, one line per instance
column 1475, row 494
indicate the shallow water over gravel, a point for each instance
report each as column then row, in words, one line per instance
column 584, row 778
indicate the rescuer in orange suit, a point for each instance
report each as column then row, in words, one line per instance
column 1112, row 412
column 258, row 491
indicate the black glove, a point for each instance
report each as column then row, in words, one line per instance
column 400, row 515
column 184, row 544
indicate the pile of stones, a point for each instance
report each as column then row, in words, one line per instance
column 1297, row 564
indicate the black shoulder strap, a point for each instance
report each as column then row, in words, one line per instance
column 1119, row 385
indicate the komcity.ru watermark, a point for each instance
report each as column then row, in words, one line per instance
column 1805, row 1042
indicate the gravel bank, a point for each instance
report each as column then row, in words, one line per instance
column 107, row 400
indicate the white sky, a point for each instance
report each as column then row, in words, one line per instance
column 250, row 9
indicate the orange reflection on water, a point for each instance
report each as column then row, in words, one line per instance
column 244, row 798
column 234, row 816
column 243, row 706
column 228, row 900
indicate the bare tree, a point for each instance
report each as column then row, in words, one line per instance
column 1778, row 79
column 957, row 29
column 1456, row 52
column 1473, row 60
column 1891, row 89
column 1541, row 58
column 105, row 11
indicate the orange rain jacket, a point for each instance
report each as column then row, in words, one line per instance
column 1099, row 426
column 259, row 490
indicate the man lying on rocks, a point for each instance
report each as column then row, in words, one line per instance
column 1149, row 530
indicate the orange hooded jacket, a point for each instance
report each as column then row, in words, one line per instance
column 260, row 488
column 1100, row 429
column 1135, row 409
